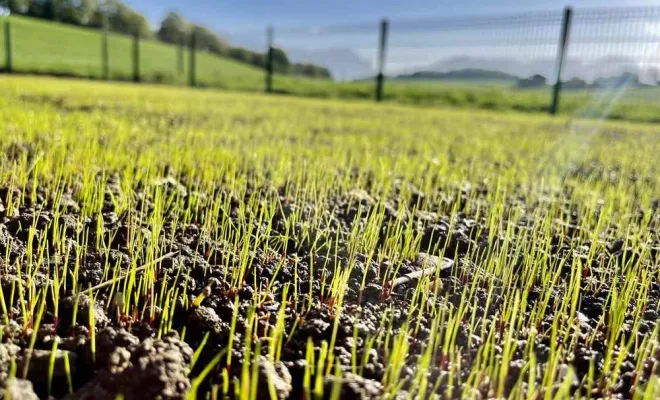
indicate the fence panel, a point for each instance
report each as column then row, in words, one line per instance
column 3, row 44
column 159, row 62
column 135, row 58
column 192, row 63
column 105, row 55
column 497, row 62
column 61, row 50
column 613, row 62
column 506, row 61
column 241, row 68
column 120, row 56
column 349, row 52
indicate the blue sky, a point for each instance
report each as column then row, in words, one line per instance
column 233, row 15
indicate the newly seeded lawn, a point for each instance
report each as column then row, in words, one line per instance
column 171, row 242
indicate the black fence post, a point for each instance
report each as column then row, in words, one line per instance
column 136, row 57
column 269, row 60
column 180, row 57
column 105, row 56
column 561, row 54
column 380, row 78
column 191, row 67
column 8, row 60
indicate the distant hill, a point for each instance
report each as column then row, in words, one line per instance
column 574, row 67
column 467, row 74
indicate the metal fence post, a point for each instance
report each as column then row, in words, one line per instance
column 561, row 54
column 380, row 78
column 105, row 56
column 180, row 57
column 136, row 57
column 8, row 60
column 269, row 60
column 191, row 72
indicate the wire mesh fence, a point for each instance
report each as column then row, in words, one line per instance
column 614, row 56
column 483, row 61
column 610, row 42
column 349, row 52
column 611, row 55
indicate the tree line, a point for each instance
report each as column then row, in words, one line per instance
column 118, row 17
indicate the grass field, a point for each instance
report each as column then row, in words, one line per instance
column 170, row 243
column 48, row 47
column 41, row 47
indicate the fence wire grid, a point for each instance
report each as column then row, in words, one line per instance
column 426, row 60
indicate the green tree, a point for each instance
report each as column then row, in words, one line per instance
column 77, row 12
column 241, row 54
column 84, row 11
column 137, row 23
column 41, row 9
column 60, row 10
column 120, row 18
column 281, row 61
column 209, row 41
column 311, row 70
column 173, row 29
column 258, row 60
column 16, row 6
